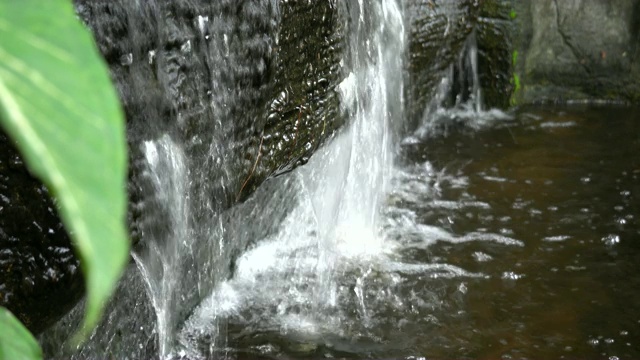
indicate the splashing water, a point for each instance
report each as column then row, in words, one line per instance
column 159, row 262
column 291, row 280
column 458, row 98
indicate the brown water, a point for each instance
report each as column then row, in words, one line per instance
column 512, row 239
column 565, row 182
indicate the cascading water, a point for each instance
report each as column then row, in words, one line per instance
column 291, row 281
column 327, row 263
column 458, row 97
column 185, row 143
column 464, row 243
column 159, row 263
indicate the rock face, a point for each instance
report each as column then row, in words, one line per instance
column 246, row 88
column 578, row 50
column 37, row 265
column 437, row 33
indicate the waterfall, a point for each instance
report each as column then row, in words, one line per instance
column 292, row 239
column 457, row 99
column 291, row 280
column 161, row 262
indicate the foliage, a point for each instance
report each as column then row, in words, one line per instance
column 16, row 342
column 58, row 104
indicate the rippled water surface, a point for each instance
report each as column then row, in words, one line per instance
column 502, row 238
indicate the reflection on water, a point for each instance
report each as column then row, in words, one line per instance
column 516, row 239
column 565, row 182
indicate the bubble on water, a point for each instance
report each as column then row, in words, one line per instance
column 611, row 239
column 510, row 275
column 462, row 288
column 593, row 342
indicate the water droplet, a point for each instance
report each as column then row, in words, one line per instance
column 126, row 60
column 202, row 22
column 510, row 275
column 186, row 47
column 151, row 56
column 462, row 288
column 593, row 342
column 611, row 239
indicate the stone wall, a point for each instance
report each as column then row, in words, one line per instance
column 246, row 87
column 250, row 83
column 584, row 50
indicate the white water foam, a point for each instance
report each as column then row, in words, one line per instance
column 336, row 253
column 291, row 281
column 469, row 111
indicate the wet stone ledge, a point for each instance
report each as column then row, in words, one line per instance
column 247, row 88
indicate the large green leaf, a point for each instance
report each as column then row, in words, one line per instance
column 16, row 341
column 57, row 102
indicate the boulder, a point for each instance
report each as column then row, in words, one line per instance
column 582, row 50
column 246, row 88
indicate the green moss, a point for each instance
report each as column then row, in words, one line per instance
column 515, row 79
column 513, row 14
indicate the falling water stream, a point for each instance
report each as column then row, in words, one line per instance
column 482, row 234
column 290, row 281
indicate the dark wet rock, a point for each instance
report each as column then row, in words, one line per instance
column 37, row 265
column 494, row 37
column 437, row 33
column 578, row 50
column 127, row 329
column 247, row 88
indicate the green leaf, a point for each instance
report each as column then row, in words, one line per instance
column 57, row 102
column 16, row 342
